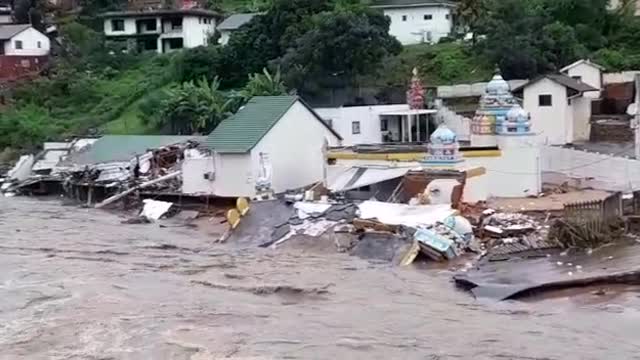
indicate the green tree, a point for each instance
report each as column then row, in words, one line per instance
column 266, row 38
column 559, row 46
column 339, row 46
column 194, row 107
column 469, row 13
column 195, row 63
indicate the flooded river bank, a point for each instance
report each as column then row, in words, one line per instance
column 77, row 284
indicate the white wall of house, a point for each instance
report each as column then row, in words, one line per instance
column 5, row 19
column 195, row 30
column 232, row 175
column 294, row 147
column 32, row 42
column 581, row 118
column 225, row 35
column 409, row 26
column 129, row 26
column 342, row 120
column 589, row 75
column 193, row 179
column 548, row 122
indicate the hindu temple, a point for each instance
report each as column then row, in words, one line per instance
column 499, row 113
column 443, row 148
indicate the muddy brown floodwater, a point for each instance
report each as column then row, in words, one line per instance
column 76, row 284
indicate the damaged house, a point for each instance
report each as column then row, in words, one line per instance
column 275, row 142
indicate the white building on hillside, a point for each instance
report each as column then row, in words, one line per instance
column 161, row 30
column 587, row 72
column 377, row 124
column 232, row 24
column 23, row 40
column 6, row 14
column 418, row 21
column 277, row 140
column 560, row 113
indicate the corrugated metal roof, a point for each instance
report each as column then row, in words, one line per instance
column 112, row 148
column 234, row 21
column 9, row 31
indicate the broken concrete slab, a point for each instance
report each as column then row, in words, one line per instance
column 257, row 226
column 520, row 277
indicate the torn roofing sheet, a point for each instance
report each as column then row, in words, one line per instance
column 358, row 176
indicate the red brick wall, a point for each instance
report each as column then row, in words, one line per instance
column 14, row 67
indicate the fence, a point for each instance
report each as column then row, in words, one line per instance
column 586, row 169
column 596, row 215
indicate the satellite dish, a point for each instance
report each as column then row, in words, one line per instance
column 632, row 109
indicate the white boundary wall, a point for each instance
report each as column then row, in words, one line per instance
column 585, row 169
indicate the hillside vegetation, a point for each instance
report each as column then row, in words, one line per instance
column 303, row 46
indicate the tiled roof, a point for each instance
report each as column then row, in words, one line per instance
column 234, row 21
column 161, row 12
column 9, row 31
column 410, row 3
column 239, row 133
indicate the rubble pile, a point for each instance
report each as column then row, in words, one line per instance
column 81, row 172
column 381, row 230
column 509, row 233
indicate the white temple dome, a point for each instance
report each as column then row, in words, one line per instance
column 497, row 85
column 517, row 114
column 443, row 135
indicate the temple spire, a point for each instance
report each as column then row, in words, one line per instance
column 416, row 92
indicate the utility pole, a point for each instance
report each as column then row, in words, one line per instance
column 636, row 120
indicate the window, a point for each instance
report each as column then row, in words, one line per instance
column 384, row 125
column 448, row 16
column 117, row 25
column 355, row 127
column 176, row 24
column 39, row 45
column 428, row 17
column 175, row 44
column 18, row 44
column 151, row 25
column 329, row 122
column 544, row 100
column 577, row 77
column 404, row 17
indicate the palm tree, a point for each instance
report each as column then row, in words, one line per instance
column 195, row 107
column 264, row 84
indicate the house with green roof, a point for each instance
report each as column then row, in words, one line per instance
column 277, row 140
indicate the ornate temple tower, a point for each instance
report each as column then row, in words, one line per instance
column 443, row 149
column 495, row 104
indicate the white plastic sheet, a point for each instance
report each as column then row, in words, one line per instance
column 153, row 209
